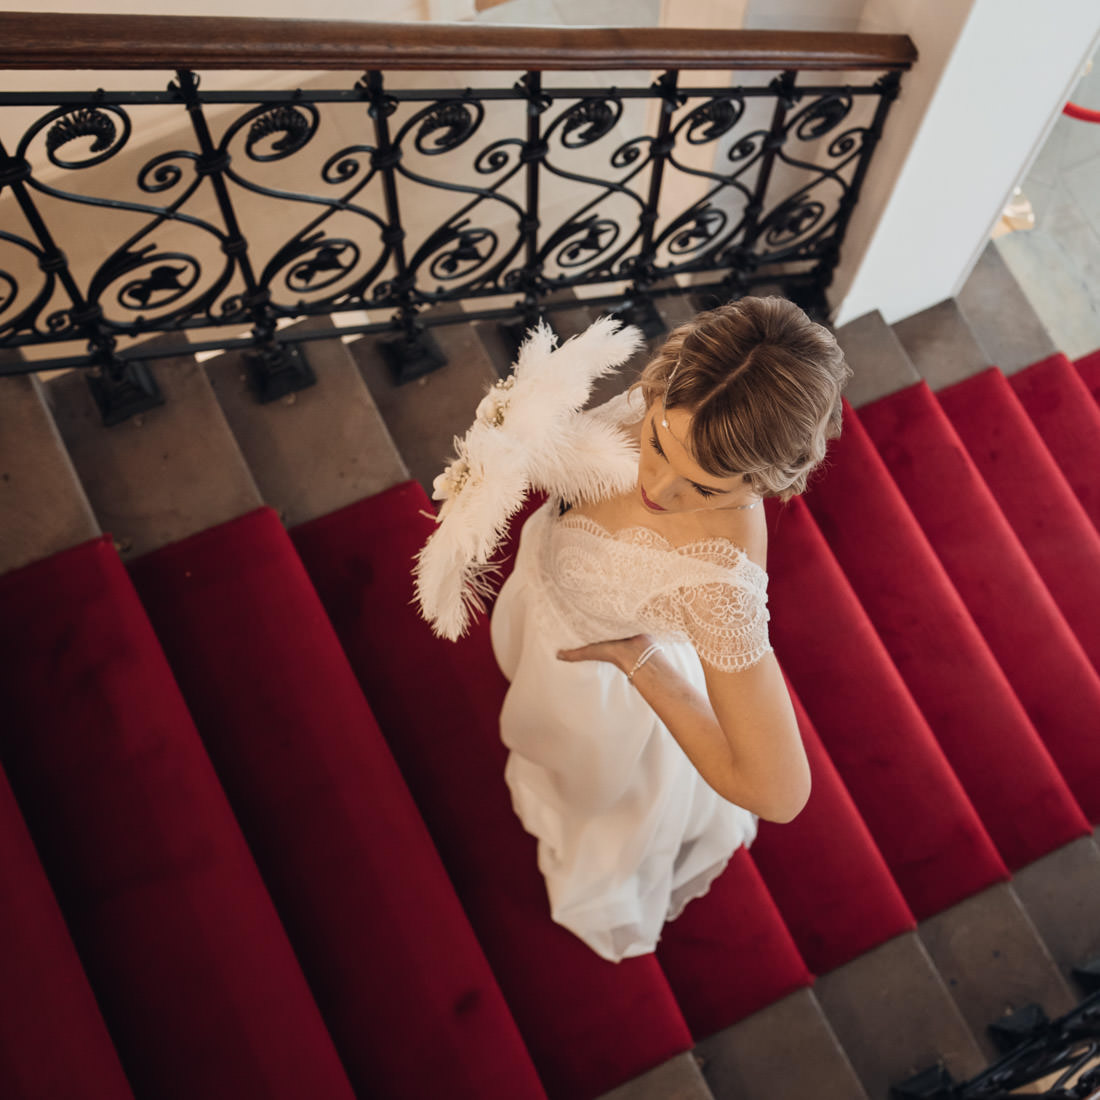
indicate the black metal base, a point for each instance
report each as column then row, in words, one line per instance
column 135, row 391
column 930, row 1084
column 1087, row 975
column 413, row 359
column 1052, row 1058
column 642, row 313
column 812, row 300
column 513, row 333
column 1018, row 1027
column 276, row 370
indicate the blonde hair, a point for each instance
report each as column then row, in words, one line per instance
column 762, row 383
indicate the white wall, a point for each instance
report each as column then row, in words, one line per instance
column 381, row 10
column 976, row 110
column 803, row 15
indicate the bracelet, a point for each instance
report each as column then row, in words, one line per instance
column 648, row 652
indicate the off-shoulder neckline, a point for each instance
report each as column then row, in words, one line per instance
column 578, row 519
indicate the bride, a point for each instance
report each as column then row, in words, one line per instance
column 646, row 717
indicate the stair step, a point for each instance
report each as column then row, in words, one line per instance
column 316, row 450
column 1000, row 315
column 1035, row 498
column 350, row 866
column 893, row 1015
column 941, row 345
column 879, row 363
column 1061, row 893
column 54, row 1040
column 424, row 416
column 827, row 876
column 677, row 1079
column 1060, row 406
column 142, row 848
column 1054, row 681
column 954, row 678
column 856, row 698
column 1089, row 369
column 786, row 1051
column 44, row 506
column 729, row 954
column 589, row 1025
column 162, row 475
column 993, row 962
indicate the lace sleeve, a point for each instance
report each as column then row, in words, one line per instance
column 727, row 623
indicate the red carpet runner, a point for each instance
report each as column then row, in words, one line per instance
column 942, row 692
column 192, row 970
column 366, row 902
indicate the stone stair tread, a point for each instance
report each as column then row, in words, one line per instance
column 752, row 1060
column 677, row 1079
column 992, row 961
column 424, row 416
column 941, row 344
column 1061, row 893
column 44, row 506
column 160, row 476
column 1001, row 316
column 879, row 363
column 316, row 450
column 893, row 1015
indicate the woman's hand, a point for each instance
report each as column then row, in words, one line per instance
column 620, row 652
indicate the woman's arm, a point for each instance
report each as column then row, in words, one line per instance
column 741, row 735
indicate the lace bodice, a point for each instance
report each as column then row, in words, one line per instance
column 605, row 585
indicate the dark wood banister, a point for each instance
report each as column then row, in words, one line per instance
column 34, row 40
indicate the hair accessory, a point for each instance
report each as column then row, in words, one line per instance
column 653, row 647
column 664, row 403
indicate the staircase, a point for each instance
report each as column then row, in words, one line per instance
column 255, row 837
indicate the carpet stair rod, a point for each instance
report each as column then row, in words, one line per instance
column 996, row 580
column 1062, row 409
column 979, row 723
column 53, row 1041
column 1034, row 496
column 190, row 965
column 589, row 1025
column 367, row 905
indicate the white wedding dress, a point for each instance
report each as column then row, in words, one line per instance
column 628, row 832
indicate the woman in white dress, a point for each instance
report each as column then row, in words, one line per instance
column 647, row 719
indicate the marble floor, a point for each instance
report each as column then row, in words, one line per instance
column 1058, row 262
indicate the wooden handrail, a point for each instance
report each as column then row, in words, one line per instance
column 35, row 40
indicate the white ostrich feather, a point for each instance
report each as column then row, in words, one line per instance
column 529, row 433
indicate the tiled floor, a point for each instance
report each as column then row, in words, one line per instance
column 1058, row 262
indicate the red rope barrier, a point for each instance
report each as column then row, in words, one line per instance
column 1085, row 114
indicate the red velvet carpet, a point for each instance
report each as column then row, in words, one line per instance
column 257, row 842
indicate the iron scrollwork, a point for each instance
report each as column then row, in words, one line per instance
column 1058, row 1059
column 423, row 198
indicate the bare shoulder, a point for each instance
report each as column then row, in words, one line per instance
column 747, row 529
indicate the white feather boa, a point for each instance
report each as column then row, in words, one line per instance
column 529, row 434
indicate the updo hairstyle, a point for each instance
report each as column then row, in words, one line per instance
column 762, row 383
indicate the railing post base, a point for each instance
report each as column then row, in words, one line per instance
column 276, row 370
column 513, row 333
column 930, row 1084
column 642, row 313
column 1018, row 1027
column 124, row 391
column 411, row 359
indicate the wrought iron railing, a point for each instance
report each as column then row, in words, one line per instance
column 1058, row 1059
column 369, row 194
